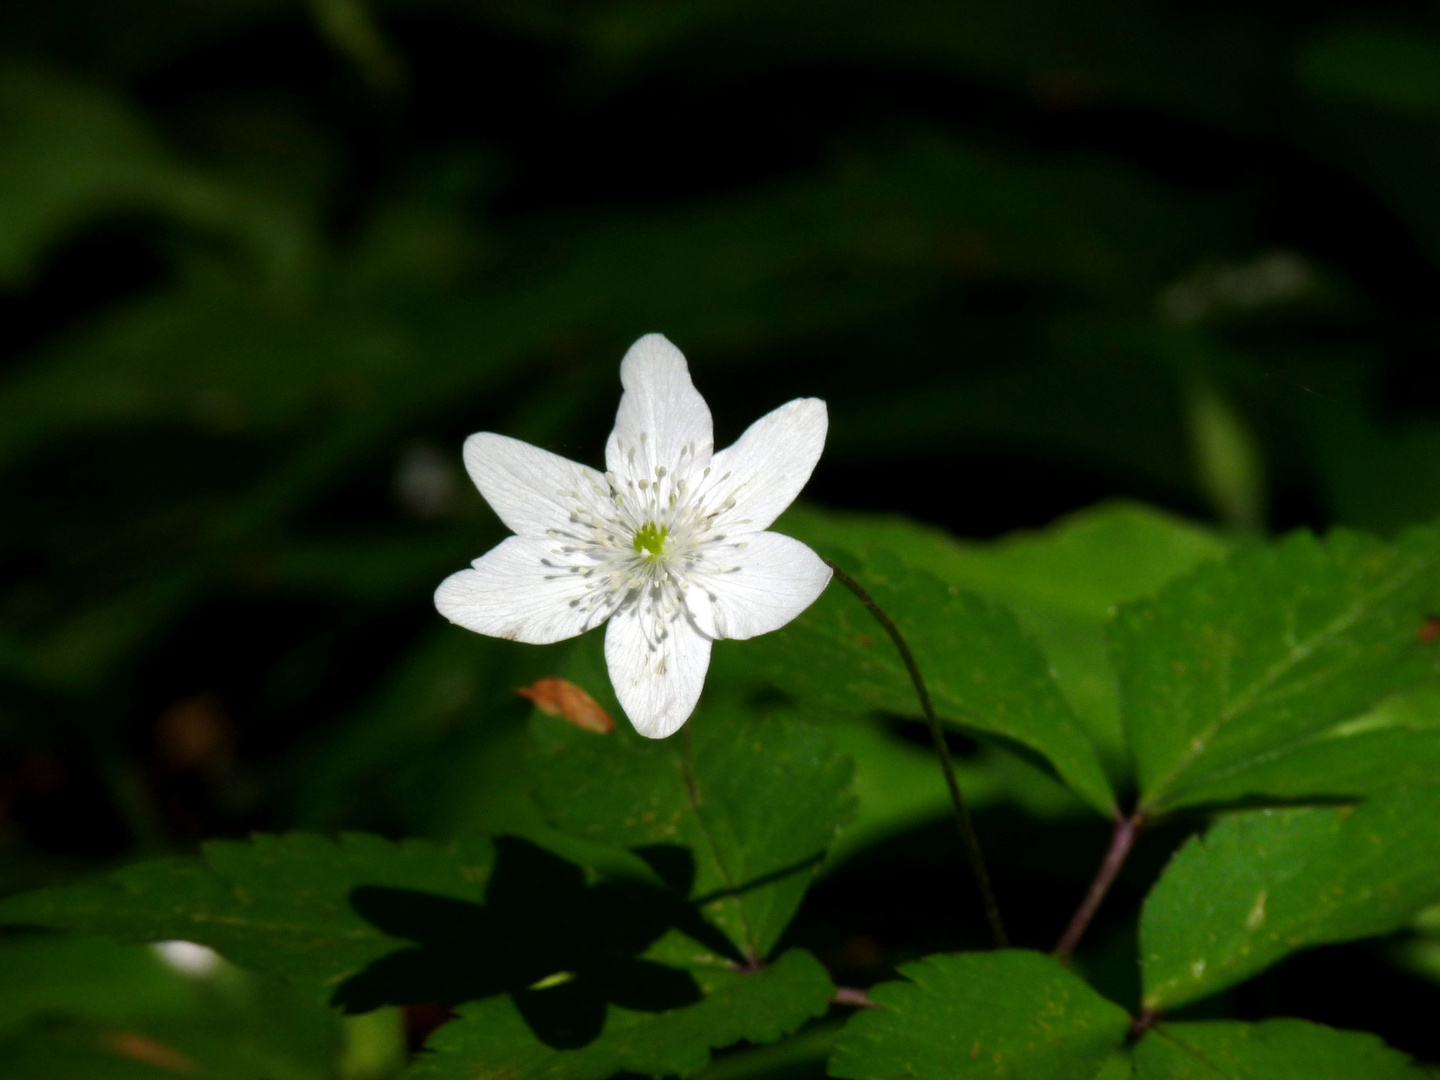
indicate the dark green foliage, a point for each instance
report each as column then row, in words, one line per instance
column 498, row 1037
column 1260, row 885
column 570, row 978
column 1061, row 583
column 1243, row 661
column 264, row 265
column 1004, row 1014
column 734, row 814
column 282, row 905
column 86, row 1007
column 981, row 670
column 1273, row 1050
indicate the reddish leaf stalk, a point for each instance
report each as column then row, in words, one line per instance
column 1126, row 830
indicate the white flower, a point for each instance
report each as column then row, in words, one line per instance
column 669, row 543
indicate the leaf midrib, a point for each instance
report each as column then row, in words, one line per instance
column 1298, row 653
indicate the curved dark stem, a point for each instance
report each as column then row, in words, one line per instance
column 962, row 815
column 1123, row 839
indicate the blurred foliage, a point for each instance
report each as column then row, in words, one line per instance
column 264, row 263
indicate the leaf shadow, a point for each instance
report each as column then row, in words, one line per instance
column 563, row 949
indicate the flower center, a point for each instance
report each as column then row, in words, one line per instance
column 650, row 539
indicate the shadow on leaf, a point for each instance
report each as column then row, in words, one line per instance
column 563, row 949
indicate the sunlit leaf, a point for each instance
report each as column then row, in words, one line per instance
column 736, row 810
column 982, row 671
column 1061, row 582
column 1002, row 1014
column 1396, row 743
column 1241, row 660
column 1272, row 1050
column 1261, row 885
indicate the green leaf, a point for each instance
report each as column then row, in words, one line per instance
column 1397, row 742
column 492, row 1038
column 1061, row 582
column 556, row 961
column 85, row 977
column 737, row 810
column 1263, row 884
column 1000, row 1014
column 1272, row 1050
column 982, row 671
column 275, row 904
column 1241, row 660
column 89, row 1007
column 899, row 786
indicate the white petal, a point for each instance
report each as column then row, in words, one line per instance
column 701, row 609
column 531, row 490
column 663, row 421
column 768, row 465
column 511, row 593
column 657, row 682
column 763, row 586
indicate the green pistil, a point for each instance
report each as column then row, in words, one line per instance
column 650, row 540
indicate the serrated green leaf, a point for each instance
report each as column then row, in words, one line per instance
column 1271, row 1050
column 275, row 904
column 982, row 672
column 1241, row 660
column 492, row 1038
column 741, row 807
column 1000, row 1014
column 1397, row 742
column 1263, row 884
column 1061, row 581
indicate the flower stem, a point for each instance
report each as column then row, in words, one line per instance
column 962, row 815
column 1123, row 839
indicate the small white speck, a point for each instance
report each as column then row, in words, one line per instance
column 187, row 957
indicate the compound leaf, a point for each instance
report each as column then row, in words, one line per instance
column 1272, row 1050
column 1241, row 660
column 494, row 1038
column 1263, row 884
column 1001, row 1014
column 984, row 674
column 736, row 812
column 1061, row 582
column 275, row 904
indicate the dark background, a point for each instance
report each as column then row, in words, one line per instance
column 264, row 264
